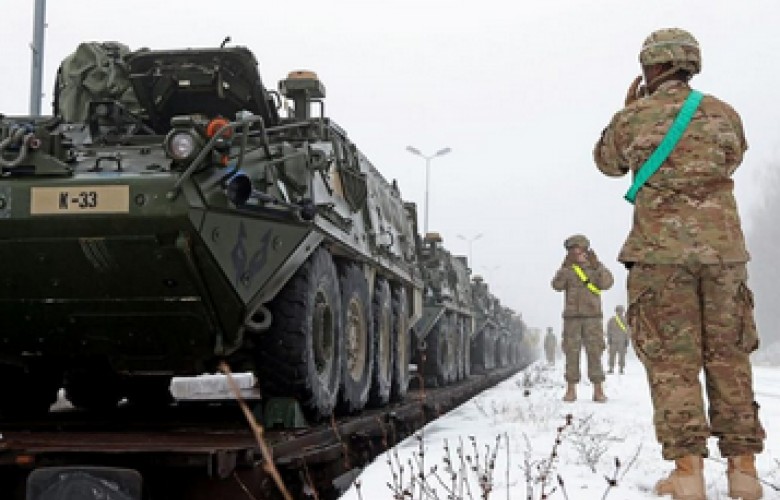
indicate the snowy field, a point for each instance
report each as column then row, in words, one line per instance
column 518, row 423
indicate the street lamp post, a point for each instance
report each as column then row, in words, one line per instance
column 470, row 241
column 428, row 159
column 36, row 72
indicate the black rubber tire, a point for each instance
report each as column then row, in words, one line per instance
column 382, row 313
column 291, row 362
column 402, row 345
column 440, row 355
column 464, row 349
column 482, row 352
column 478, row 353
column 465, row 332
column 457, row 344
column 511, row 351
column 502, row 351
column 358, row 328
column 452, row 337
column 490, row 348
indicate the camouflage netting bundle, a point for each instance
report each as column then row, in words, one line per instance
column 95, row 71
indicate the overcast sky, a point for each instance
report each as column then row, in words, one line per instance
column 519, row 90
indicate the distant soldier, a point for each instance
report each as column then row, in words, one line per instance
column 617, row 339
column 690, row 308
column 582, row 278
column 550, row 344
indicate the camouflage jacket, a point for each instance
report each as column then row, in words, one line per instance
column 581, row 302
column 686, row 212
column 615, row 335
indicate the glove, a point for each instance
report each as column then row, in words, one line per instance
column 635, row 91
column 593, row 259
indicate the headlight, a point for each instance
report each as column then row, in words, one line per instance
column 182, row 146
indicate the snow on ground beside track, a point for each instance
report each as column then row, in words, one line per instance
column 524, row 413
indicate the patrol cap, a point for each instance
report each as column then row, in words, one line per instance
column 577, row 240
column 620, row 309
column 671, row 45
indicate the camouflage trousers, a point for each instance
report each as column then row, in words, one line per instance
column 550, row 354
column 684, row 319
column 579, row 332
column 619, row 352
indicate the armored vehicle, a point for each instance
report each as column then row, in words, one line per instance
column 486, row 327
column 444, row 331
column 166, row 217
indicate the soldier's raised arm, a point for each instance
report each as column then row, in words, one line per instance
column 560, row 279
column 608, row 152
column 603, row 277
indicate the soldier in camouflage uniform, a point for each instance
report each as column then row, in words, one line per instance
column 582, row 278
column 617, row 339
column 689, row 303
column 549, row 346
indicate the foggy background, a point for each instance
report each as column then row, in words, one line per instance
column 519, row 90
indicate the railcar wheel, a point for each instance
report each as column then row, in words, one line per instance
column 27, row 393
column 93, row 389
column 358, row 336
column 300, row 356
column 148, row 391
column 382, row 309
column 402, row 345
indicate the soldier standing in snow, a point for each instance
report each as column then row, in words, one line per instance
column 617, row 340
column 550, row 346
column 582, row 278
column 689, row 304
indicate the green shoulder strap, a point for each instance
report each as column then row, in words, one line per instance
column 667, row 145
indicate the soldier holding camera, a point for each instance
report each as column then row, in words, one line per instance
column 582, row 278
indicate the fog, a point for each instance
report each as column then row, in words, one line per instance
column 519, row 90
column 763, row 239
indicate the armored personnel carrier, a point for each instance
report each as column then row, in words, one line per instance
column 167, row 218
column 443, row 333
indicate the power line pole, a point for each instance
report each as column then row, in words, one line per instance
column 36, row 76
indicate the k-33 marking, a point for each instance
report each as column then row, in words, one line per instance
column 79, row 199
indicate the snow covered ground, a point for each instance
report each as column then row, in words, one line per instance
column 524, row 414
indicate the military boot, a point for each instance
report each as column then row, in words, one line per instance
column 571, row 393
column 611, row 371
column 743, row 478
column 598, row 393
column 686, row 481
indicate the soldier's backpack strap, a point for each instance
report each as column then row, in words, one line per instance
column 585, row 280
column 667, row 145
column 620, row 323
